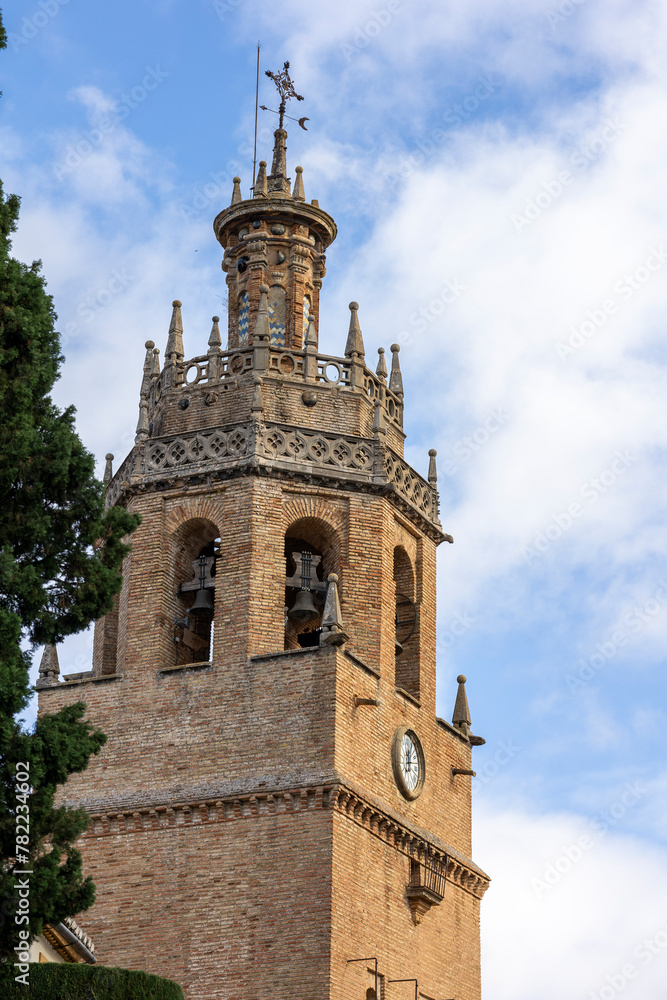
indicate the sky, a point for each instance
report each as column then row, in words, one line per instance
column 496, row 171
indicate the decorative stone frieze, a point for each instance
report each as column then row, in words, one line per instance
column 275, row 447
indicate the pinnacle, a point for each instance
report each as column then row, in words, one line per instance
column 395, row 379
column 355, row 341
column 461, row 716
column 298, row 192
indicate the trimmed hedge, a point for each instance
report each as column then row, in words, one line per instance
column 55, row 981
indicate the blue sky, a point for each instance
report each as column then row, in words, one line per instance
column 496, row 171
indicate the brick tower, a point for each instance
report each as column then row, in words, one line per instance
column 277, row 813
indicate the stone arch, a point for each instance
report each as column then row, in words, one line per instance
column 331, row 511
column 311, row 536
column 194, row 538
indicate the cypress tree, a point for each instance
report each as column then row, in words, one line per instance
column 60, row 562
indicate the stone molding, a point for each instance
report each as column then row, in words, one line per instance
column 335, row 797
column 276, row 448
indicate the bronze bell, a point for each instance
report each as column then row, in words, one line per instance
column 204, row 605
column 304, row 609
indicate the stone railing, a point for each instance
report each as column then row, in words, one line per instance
column 119, row 481
column 193, row 449
column 283, row 363
column 417, row 491
column 294, row 449
column 334, row 451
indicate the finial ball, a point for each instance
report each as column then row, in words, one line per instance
column 332, row 578
column 109, row 457
column 461, row 678
column 432, row 452
column 264, row 288
column 149, row 345
column 354, row 305
column 215, row 319
column 237, row 180
column 299, row 170
column 177, row 303
column 380, row 350
column 262, row 163
column 395, row 348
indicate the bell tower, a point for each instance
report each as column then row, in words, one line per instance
column 277, row 813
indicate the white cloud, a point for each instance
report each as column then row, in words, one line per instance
column 569, row 906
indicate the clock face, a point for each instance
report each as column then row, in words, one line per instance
column 408, row 761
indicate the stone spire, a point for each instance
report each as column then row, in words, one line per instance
column 355, row 342
column 261, row 186
column 148, row 368
column 174, row 350
column 156, row 363
column 432, row 470
column 311, row 334
column 262, row 335
column 310, row 351
column 461, row 716
column 332, row 633
column 214, row 340
column 142, row 423
column 298, row 193
column 381, row 370
column 278, row 181
column 395, row 379
column 49, row 668
column 214, row 350
column 108, row 470
column 236, row 193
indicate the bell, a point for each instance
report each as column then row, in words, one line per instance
column 304, row 609
column 397, row 647
column 203, row 606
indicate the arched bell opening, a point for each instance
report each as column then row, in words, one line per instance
column 196, row 551
column 310, row 545
column 406, row 624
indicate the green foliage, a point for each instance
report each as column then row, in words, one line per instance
column 92, row 982
column 60, row 567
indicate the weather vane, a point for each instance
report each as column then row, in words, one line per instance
column 286, row 91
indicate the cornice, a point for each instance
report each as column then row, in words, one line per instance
column 337, row 797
